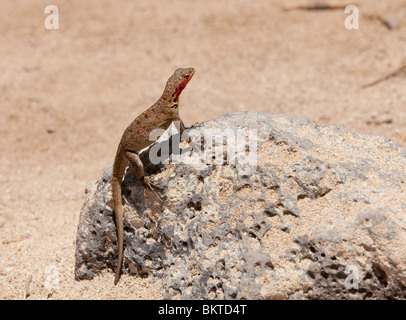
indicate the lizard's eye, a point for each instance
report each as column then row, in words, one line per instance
column 187, row 77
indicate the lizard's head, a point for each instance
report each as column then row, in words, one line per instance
column 176, row 83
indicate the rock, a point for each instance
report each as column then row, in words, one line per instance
column 390, row 22
column 322, row 215
column 51, row 129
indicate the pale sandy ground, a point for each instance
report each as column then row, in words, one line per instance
column 67, row 95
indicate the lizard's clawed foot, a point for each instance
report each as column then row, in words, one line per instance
column 194, row 147
column 146, row 181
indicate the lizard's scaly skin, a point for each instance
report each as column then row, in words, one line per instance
column 136, row 137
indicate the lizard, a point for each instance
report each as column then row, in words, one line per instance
column 136, row 137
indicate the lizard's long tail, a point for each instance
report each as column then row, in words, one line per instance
column 120, row 162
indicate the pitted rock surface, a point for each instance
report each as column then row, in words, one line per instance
column 321, row 216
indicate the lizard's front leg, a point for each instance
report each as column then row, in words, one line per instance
column 184, row 135
column 139, row 171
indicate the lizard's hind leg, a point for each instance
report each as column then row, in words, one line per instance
column 139, row 171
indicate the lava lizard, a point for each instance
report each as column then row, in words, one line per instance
column 136, row 137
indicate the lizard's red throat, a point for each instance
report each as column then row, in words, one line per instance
column 182, row 85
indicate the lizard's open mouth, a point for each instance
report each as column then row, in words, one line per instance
column 182, row 85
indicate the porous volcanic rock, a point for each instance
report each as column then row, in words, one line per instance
column 322, row 215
